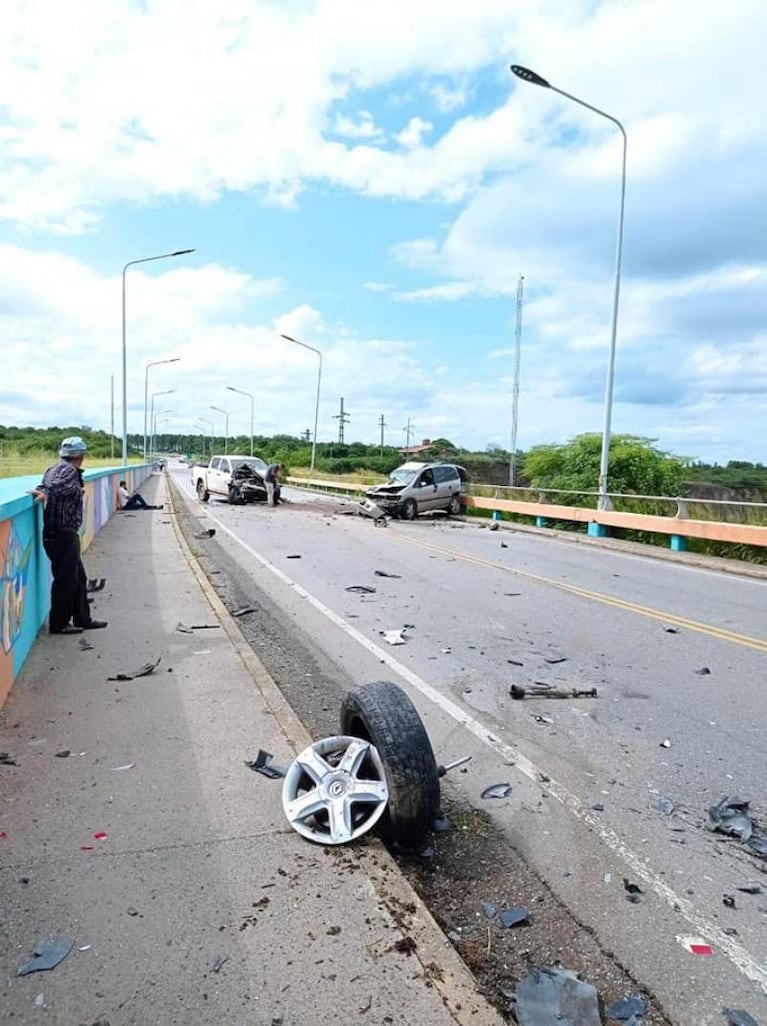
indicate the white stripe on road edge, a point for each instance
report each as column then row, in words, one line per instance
column 737, row 954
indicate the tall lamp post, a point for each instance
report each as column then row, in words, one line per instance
column 211, row 426
column 166, row 391
column 288, row 338
column 530, row 76
column 250, row 396
column 156, row 419
column 131, row 263
column 152, row 363
column 226, row 429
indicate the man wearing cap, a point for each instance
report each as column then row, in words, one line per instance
column 61, row 493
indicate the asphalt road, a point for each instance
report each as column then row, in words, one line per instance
column 490, row 608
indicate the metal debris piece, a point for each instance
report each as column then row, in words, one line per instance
column 361, row 589
column 548, row 995
column 516, row 916
column 84, row 644
column 553, row 660
column 671, row 630
column 518, row 692
column 384, row 573
column 206, row 534
column 142, row 671
column 442, row 770
column 206, row 626
column 182, row 628
column 216, row 967
column 497, row 791
column 127, row 766
column 63, row 754
column 750, row 888
column 6, row 760
column 244, row 611
column 96, row 584
column 47, row 955
column 731, row 816
column 627, row 1009
column 263, row 764
column 665, row 743
column 737, row 1017
column 293, row 555
column 540, row 718
column 631, row 888
column 367, row 508
column 703, row 671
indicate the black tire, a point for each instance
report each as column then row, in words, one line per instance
column 202, row 492
column 382, row 713
column 455, row 506
column 409, row 509
column 235, row 499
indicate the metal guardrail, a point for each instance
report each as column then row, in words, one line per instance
column 678, row 526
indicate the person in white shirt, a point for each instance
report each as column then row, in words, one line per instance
column 128, row 501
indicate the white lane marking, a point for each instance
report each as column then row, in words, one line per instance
column 737, row 954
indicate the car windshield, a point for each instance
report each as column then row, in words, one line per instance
column 402, row 476
column 255, row 463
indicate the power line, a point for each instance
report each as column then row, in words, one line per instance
column 343, row 418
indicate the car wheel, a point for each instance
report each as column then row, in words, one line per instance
column 455, row 506
column 202, row 492
column 409, row 509
column 382, row 714
column 335, row 790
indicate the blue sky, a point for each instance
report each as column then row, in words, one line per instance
column 372, row 180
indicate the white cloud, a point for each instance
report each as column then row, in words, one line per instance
column 413, row 133
column 364, row 128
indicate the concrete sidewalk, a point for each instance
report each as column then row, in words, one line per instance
column 200, row 905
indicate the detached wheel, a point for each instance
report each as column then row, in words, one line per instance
column 202, row 492
column 382, row 714
column 455, row 506
column 409, row 509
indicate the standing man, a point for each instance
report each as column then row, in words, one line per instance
column 272, row 481
column 61, row 493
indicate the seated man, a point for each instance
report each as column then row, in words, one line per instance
column 128, row 501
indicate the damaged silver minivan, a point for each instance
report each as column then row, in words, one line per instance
column 417, row 488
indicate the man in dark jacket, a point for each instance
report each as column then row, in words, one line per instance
column 61, row 493
column 272, row 482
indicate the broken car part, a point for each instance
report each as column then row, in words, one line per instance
column 263, row 764
column 544, row 691
column 731, row 816
column 552, row 995
column 497, row 791
column 142, row 671
column 381, row 712
column 47, row 955
column 361, row 589
column 516, row 916
column 335, row 790
column 737, row 1017
column 627, row 1009
column 96, row 584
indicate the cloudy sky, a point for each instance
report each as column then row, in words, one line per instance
column 371, row 179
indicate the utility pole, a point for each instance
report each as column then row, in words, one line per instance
column 515, row 393
column 306, row 436
column 382, row 425
column 343, row 418
column 409, row 430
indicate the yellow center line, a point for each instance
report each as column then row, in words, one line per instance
column 595, row 596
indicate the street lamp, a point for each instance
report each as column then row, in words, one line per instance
column 152, row 363
column 156, row 419
column 211, row 426
column 317, row 403
column 166, row 391
column 131, row 263
column 252, row 398
column 226, row 429
column 530, row 76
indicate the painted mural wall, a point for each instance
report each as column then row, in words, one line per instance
column 24, row 567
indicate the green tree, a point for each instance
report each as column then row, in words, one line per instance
column 636, row 466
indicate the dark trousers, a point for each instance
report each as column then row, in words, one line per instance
column 69, row 589
column 136, row 502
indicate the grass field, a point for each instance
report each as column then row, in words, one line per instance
column 16, row 465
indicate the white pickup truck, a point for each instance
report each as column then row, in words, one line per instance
column 239, row 479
